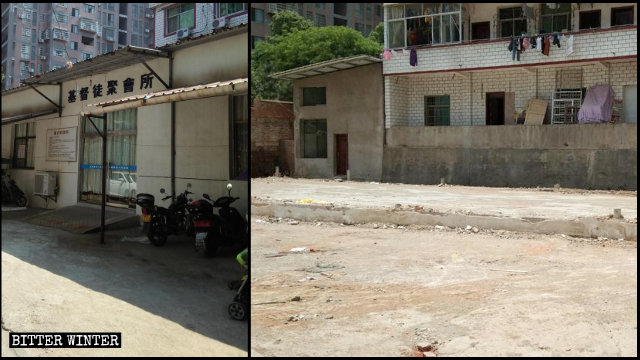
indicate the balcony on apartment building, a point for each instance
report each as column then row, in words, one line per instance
column 89, row 25
column 434, row 31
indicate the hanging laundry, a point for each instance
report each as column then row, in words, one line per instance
column 569, row 45
column 513, row 47
column 387, row 55
column 413, row 58
column 539, row 42
column 556, row 40
column 532, row 41
column 525, row 43
column 546, row 45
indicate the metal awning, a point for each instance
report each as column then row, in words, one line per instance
column 231, row 87
column 118, row 59
column 12, row 119
column 325, row 67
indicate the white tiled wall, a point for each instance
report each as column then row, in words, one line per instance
column 404, row 95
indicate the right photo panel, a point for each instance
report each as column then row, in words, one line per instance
column 443, row 179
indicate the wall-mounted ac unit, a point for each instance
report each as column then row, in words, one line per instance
column 182, row 33
column 45, row 184
column 43, row 57
column 218, row 23
column 146, row 30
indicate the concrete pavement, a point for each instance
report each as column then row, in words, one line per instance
column 567, row 211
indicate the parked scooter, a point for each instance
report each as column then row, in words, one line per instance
column 165, row 221
column 228, row 227
column 11, row 192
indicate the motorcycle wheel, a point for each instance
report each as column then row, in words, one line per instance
column 21, row 201
column 156, row 235
column 238, row 310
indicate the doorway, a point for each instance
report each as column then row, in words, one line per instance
column 342, row 156
column 495, row 108
column 631, row 104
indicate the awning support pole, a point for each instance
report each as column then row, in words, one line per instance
column 45, row 96
column 103, row 134
column 153, row 72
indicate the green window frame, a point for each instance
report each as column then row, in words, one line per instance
column 314, row 138
column 24, row 142
column 180, row 17
column 437, row 110
column 312, row 96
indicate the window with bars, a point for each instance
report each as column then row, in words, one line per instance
column 225, row 9
column 436, row 110
column 26, row 34
column 179, row 17
column 24, row 51
column 320, row 20
column 314, row 138
column 23, row 145
column 420, row 24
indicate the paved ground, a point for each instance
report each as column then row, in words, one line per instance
column 504, row 202
column 166, row 301
column 362, row 291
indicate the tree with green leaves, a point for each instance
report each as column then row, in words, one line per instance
column 284, row 22
column 377, row 34
column 298, row 45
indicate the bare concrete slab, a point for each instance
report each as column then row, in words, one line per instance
column 568, row 211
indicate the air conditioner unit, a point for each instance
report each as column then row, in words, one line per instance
column 146, row 30
column 43, row 57
column 45, row 184
column 31, row 70
column 41, row 40
column 218, row 23
column 182, row 33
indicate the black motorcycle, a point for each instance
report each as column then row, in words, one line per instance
column 228, row 227
column 165, row 221
column 11, row 192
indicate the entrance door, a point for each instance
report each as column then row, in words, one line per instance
column 342, row 155
column 495, row 108
column 631, row 104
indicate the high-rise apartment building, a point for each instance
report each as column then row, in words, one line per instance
column 39, row 37
column 361, row 16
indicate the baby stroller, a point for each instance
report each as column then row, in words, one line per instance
column 239, row 308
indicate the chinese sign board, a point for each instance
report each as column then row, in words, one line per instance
column 61, row 144
column 112, row 88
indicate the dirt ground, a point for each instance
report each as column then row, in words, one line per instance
column 383, row 290
column 167, row 301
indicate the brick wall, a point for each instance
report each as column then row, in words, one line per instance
column 587, row 45
column 271, row 126
column 404, row 95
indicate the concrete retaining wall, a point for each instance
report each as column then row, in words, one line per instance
column 590, row 156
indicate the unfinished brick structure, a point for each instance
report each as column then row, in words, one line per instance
column 271, row 137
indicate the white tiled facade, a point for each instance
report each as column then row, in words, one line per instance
column 205, row 14
column 467, row 71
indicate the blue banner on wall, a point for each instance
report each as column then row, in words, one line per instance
column 111, row 167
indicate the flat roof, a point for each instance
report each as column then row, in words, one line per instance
column 325, row 67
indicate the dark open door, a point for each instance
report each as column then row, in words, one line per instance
column 495, row 108
column 342, row 155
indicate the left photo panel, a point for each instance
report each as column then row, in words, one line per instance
column 125, row 179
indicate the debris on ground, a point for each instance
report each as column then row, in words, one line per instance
column 295, row 298
column 298, row 249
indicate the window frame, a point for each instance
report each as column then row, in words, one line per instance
column 26, row 145
column 320, row 138
column 554, row 14
column 513, row 20
column 436, row 121
column 309, row 89
column 226, row 14
column 439, row 14
column 622, row 8
column 588, row 12
column 166, row 18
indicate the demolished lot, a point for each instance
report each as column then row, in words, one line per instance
column 327, row 289
column 368, row 269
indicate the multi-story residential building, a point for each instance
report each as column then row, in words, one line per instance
column 39, row 37
column 176, row 21
column 361, row 16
